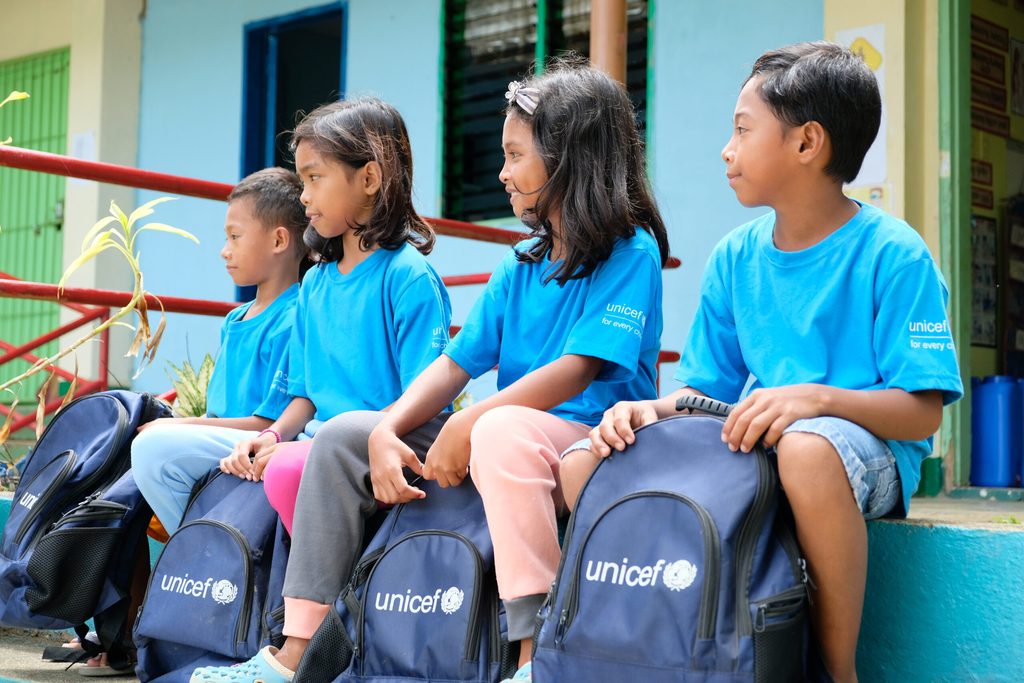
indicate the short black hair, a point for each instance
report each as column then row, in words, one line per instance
column 273, row 195
column 824, row 82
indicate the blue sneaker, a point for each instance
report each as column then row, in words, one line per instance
column 525, row 673
column 262, row 668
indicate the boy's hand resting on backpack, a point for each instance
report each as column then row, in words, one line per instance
column 617, row 425
column 388, row 456
column 766, row 413
column 447, row 461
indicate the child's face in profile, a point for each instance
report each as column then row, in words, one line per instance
column 523, row 173
column 248, row 245
column 757, row 156
column 331, row 192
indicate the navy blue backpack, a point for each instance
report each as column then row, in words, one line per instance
column 422, row 604
column 69, row 546
column 679, row 563
column 214, row 596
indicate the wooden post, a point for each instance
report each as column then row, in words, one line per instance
column 608, row 37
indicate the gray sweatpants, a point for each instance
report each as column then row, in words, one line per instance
column 334, row 501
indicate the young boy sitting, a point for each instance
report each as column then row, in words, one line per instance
column 248, row 389
column 838, row 312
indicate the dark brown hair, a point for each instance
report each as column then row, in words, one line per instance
column 273, row 195
column 584, row 128
column 354, row 133
column 824, row 82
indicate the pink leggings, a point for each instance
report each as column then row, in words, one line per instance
column 281, row 478
column 514, row 462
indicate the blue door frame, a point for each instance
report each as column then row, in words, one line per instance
column 259, row 87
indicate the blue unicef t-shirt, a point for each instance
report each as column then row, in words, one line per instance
column 360, row 339
column 249, row 375
column 863, row 309
column 521, row 323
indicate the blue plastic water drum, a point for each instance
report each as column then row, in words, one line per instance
column 996, row 432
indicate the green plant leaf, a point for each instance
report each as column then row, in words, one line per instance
column 160, row 227
column 14, row 96
column 94, row 230
column 117, row 213
column 147, row 209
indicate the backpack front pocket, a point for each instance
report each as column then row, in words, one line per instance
column 630, row 587
column 200, row 593
column 33, row 500
column 423, row 620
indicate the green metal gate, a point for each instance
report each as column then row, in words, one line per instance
column 32, row 204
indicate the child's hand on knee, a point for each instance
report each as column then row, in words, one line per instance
column 766, row 413
column 388, row 456
column 447, row 461
column 262, row 459
column 617, row 426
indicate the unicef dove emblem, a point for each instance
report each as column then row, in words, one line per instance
column 679, row 575
column 451, row 601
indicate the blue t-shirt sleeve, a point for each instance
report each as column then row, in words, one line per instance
column 422, row 315
column 712, row 360
column 277, row 398
column 477, row 345
column 622, row 295
column 912, row 338
column 296, row 372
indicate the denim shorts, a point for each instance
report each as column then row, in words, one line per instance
column 870, row 464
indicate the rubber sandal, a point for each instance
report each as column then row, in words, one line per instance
column 101, row 670
column 262, row 667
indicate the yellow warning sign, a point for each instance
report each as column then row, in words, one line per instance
column 866, row 51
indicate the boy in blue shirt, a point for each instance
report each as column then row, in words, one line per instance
column 835, row 311
column 249, row 387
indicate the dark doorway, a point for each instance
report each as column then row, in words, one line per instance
column 293, row 63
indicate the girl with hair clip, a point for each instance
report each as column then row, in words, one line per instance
column 572, row 318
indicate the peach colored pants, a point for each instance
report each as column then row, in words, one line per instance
column 282, row 476
column 514, row 463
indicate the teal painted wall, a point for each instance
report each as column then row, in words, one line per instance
column 944, row 605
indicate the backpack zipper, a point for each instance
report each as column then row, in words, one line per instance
column 746, row 542
column 708, row 611
column 70, row 458
column 471, row 647
column 779, row 605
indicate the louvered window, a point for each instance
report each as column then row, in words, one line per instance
column 489, row 43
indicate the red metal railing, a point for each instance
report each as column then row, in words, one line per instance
column 87, row 315
column 94, row 304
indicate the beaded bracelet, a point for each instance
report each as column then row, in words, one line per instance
column 277, row 436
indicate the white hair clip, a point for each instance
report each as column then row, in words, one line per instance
column 526, row 98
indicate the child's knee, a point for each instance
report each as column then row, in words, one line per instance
column 493, row 427
column 806, row 461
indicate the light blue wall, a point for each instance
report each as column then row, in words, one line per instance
column 190, row 124
column 702, row 52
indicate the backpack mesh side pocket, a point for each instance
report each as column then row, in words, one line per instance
column 329, row 652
